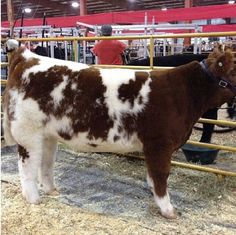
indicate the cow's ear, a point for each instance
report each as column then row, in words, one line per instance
column 222, row 64
column 213, row 56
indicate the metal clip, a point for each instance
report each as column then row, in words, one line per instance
column 223, row 83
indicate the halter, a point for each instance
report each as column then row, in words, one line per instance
column 221, row 82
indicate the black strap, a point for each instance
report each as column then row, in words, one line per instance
column 221, row 82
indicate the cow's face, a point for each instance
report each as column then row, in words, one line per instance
column 221, row 65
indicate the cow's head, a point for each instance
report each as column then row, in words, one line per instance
column 221, row 66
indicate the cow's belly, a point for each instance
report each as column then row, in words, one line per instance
column 123, row 145
column 115, row 141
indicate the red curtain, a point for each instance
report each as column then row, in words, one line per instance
column 180, row 14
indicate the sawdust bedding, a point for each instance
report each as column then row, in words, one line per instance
column 204, row 204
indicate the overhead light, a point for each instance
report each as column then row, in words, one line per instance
column 75, row 4
column 27, row 10
column 164, row 9
column 231, row 2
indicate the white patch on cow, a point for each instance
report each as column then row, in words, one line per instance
column 63, row 125
column 28, row 169
column 82, row 143
column 57, row 91
column 12, row 44
column 46, row 167
column 28, row 120
column 7, row 130
column 144, row 92
column 165, row 206
column 45, row 63
column 113, row 79
column 116, row 107
column 73, row 86
column 29, row 181
column 12, row 102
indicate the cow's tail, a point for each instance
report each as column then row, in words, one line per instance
column 12, row 44
column 9, row 140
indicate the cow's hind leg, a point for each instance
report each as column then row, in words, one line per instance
column 29, row 162
column 158, row 164
column 46, row 179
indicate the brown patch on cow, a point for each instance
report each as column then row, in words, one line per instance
column 17, row 66
column 93, row 145
column 42, row 84
column 23, row 154
column 140, row 100
column 86, row 114
column 116, row 138
column 131, row 91
column 64, row 135
column 120, row 129
column 129, row 122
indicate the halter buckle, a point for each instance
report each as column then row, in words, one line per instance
column 223, row 83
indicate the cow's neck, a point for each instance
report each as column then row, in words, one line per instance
column 204, row 92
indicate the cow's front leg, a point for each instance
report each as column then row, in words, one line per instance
column 158, row 164
column 46, row 179
column 29, row 162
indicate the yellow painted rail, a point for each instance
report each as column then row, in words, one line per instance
column 203, row 168
column 218, row 172
column 179, row 35
column 218, row 122
column 4, row 64
column 189, row 166
column 212, row 146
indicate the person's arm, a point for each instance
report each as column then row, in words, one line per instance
column 122, row 46
column 94, row 50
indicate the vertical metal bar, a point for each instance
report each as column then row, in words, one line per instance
column 83, row 7
column 153, row 25
column 44, row 23
column 84, row 52
column 21, row 25
column 195, row 46
column 151, row 51
column 10, row 16
column 164, row 47
column 66, row 51
column 200, row 46
column 75, row 48
column 145, row 32
column 52, row 49
column 172, row 46
column 96, row 34
column 51, row 44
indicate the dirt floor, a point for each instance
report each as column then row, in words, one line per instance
column 107, row 194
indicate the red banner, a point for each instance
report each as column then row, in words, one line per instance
column 135, row 17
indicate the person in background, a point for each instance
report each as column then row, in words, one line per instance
column 109, row 51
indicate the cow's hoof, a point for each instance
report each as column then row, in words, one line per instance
column 31, row 194
column 32, row 199
column 169, row 214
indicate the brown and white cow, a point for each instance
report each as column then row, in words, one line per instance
column 107, row 110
